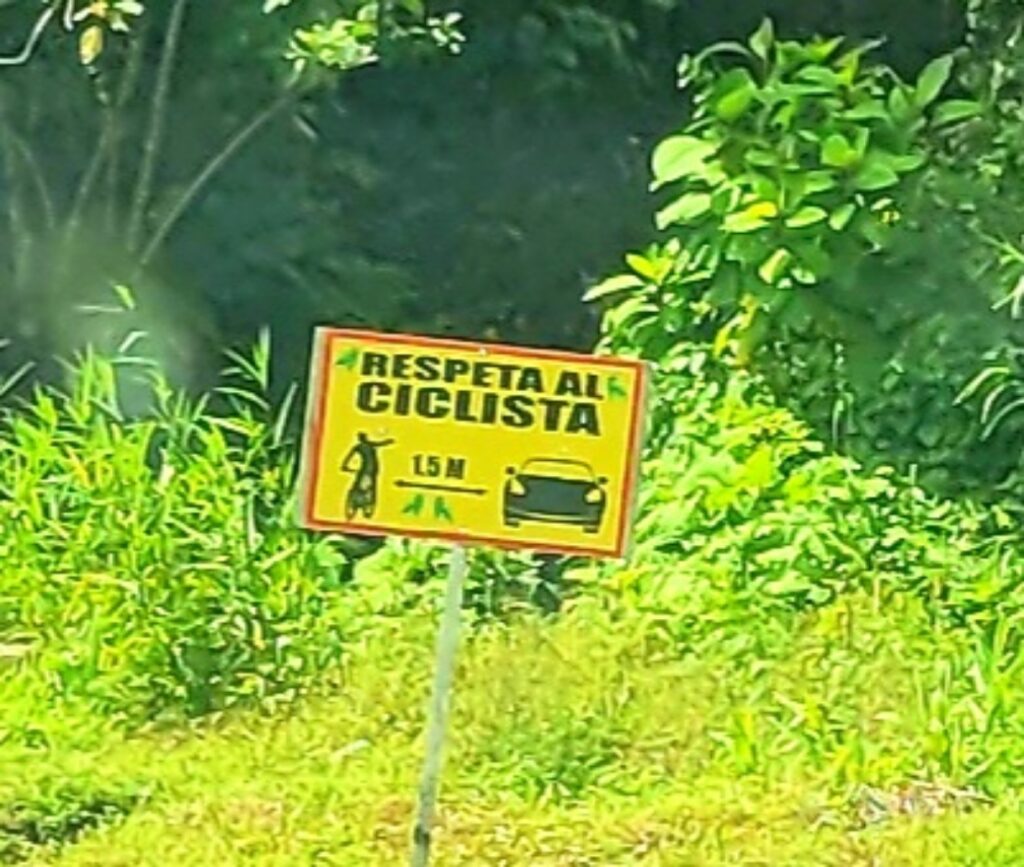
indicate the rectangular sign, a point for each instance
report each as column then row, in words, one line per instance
column 472, row 443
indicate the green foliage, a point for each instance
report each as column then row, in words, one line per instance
column 832, row 739
column 789, row 173
column 801, row 240
column 58, row 818
column 153, row 564
column 986, row 159
column 743, row 509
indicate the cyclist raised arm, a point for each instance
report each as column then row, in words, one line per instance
column 366, row 450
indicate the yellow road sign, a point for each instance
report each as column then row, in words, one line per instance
column 472, row 443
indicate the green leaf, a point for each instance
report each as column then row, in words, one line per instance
column 775, row 266
column 679, row 157
column 840, row 218
column 348, row 359
column 733, row 95
column 972, row 388
column 762, row 157
column 876, row 175
column 684, row 209
column 956, row 110
column 612, row 286
column 415, row 506
column 750, row 219
column 997, row 419
column 809, row 215
column 90, row 45
column 827, row 80
column 821, row 50
column 931, row 80
column 763, row 186
column 817, row 182
column 899, row 105
column 906, row 162
column 442, row 512
column 763, row 39
column 643, row 266
column 836, row 151
column 125, row 296
column 616, row 390
column 872, row 109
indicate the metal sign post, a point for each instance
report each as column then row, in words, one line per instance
column 447, row 647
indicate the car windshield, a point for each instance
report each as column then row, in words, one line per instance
column 574, row 470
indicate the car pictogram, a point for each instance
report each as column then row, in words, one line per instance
column 555, row 491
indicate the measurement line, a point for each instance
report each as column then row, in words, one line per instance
column 450, row 489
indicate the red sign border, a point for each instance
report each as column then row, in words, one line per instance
column 314, row 431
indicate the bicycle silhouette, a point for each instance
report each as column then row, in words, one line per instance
column 362, row 493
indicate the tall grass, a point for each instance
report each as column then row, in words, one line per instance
column 152, row 563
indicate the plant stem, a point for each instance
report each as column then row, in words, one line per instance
column 23, row 56
column 157, row 124
column 125, row 92
column 21, row 239
column 35, row 171
column 215, row 164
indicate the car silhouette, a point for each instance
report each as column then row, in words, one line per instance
column 555, row 491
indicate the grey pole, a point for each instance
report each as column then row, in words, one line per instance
column 447, row 647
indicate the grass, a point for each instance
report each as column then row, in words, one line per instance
column 581, row 741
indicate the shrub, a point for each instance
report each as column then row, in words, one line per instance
column 154, row 564
column 743, row 510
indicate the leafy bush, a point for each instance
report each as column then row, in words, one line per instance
column 59, row 818
column 743, row 510
column 154, row 563
column 800, row 238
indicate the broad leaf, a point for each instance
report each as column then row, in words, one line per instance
column 956, row 110
column 931, row 80
column 763, row 39
column 684, row 209
column 838, row 152
column 613, row 286
column 643, row 266
column 734, row 94
column 90, row 44
column 775, row 266
column 750, row 219
column 679, row 157
column 872, row 109
column 807, row 216
column 876, row 175
column 840, row 218
column 899, row 105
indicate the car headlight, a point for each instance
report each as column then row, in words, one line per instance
column 595, row 496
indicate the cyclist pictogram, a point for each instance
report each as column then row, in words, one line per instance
column 364, row 463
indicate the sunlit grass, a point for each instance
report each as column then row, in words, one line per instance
column 573, row 744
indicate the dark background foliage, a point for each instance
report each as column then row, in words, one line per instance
column 476, row 197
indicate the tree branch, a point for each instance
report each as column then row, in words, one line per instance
column 105, row 152
column 38, row 178
column 126, row 89
column 32, row 43
column 21, row 240
column 157, row 122
column 215, row 164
